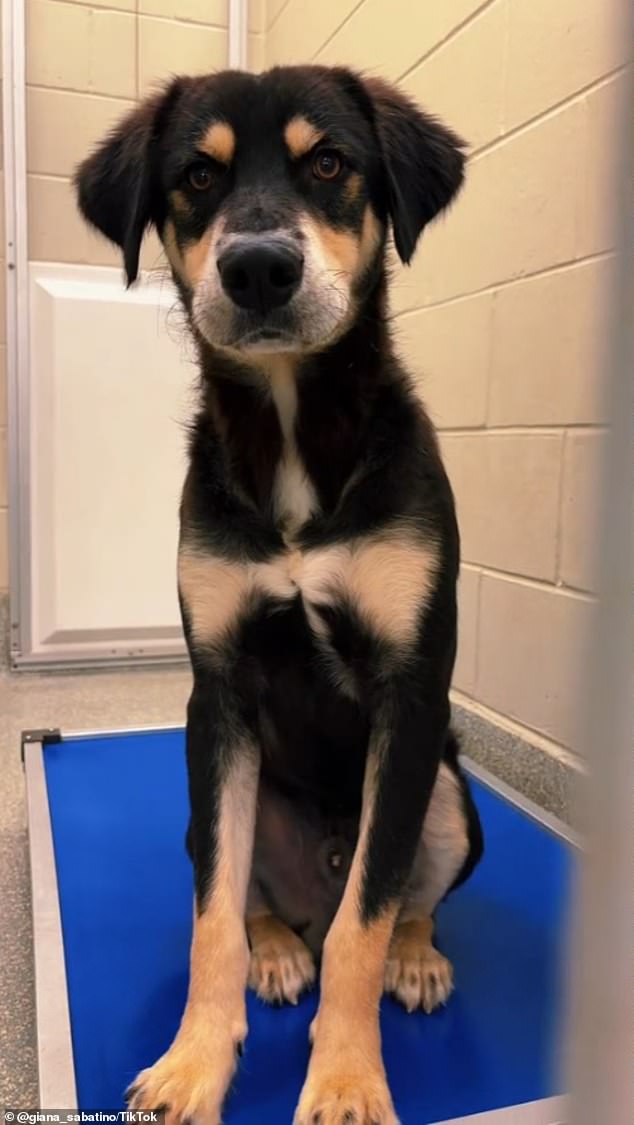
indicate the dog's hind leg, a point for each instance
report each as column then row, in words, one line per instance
column 416, row 973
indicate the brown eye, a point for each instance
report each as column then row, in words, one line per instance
column 199, row 177
column 327, row 164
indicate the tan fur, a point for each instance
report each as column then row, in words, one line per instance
column 281, row 965
column 346, row 1073
column 180, row 202
column 191, row 262
column 191, row 1079
column 344, row 250
column 388, row 577
column 353, row 186
column 301, row 136
column 216, row 592
column 219, row 142
column 443, row 849
column 339, row 248
column 371, row 235
column 415, row 972
column 196, row 255
column 172, row 249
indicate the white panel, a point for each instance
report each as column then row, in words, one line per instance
column 111, row 374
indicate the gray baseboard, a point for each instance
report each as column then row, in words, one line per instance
column 551, row 784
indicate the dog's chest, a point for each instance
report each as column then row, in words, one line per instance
column 384, row 580
column 294, row 496
column 381, row 580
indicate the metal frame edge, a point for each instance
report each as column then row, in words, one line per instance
column 56, row 1070
column 56, row 1073
column 545, row 819
column 17, row 317
column 548, row 1111
column 238, row 23
column 82, row 663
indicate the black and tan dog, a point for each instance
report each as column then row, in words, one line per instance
column 317, row 566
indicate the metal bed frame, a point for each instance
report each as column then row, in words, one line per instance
column 54, row 1043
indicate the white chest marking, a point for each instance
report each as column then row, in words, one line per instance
column 294, row 497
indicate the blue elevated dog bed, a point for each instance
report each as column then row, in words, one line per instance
column 118, row 813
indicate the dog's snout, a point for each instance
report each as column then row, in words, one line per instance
column 260, row 274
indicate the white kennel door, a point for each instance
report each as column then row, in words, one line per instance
column 110, row 381
column 98, row 390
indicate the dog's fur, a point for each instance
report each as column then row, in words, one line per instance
column 317, row 567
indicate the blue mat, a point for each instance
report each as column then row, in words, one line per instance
column 119, row 813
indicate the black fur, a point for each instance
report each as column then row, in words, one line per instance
column 413, row 165
column 365, row 441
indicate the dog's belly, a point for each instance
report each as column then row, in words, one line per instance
column 301, row 861
column 313, row 736
column 313, row 739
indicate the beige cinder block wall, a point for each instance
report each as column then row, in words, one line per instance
column 87, row 63
column 501, row 313
column 4, row 499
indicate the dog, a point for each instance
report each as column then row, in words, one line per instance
column 317, row 566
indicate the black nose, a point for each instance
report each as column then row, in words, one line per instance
column 260, row 273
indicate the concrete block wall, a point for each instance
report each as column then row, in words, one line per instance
column 87, row 63
column 4, row 498
column 500, row 316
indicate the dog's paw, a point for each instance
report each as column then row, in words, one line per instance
column 415, row 972
column 281, row 965
column 190, row 1081
column 337, row 1094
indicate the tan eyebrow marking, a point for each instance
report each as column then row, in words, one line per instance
column 301, row 136
column 219, row 142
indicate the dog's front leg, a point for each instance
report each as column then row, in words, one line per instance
column 346, row 1080
column 191, row 1079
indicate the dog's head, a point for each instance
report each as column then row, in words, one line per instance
column 272, row 196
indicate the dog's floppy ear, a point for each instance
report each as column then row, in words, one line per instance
column 115, row 185
column 424, row 162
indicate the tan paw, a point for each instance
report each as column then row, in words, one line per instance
column 190, row 1081
column 281, row 966
column 415, row 972
column 345, row 1095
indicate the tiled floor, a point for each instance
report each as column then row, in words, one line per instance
column 72, row 702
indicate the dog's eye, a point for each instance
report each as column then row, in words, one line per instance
column 199, row 176
column 327, row 164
